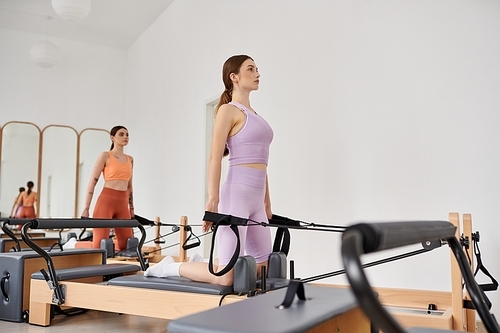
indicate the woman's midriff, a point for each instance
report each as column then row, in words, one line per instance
column 119, row 185
column 259, row 166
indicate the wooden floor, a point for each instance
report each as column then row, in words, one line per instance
column 91, row 322
column 95, row 321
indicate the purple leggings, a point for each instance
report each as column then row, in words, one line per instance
column 242, row 195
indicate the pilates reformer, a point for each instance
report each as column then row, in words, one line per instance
column 134, row 311
column 16, row 268
column 366, row 238
column 438, row 309
column 316, row 308
column 166, row 298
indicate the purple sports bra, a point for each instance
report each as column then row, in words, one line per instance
column 251, row 143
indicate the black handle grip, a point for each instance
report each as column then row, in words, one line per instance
column 82, row 223
column 388, row 235
column 2, row 286
column 223, row 219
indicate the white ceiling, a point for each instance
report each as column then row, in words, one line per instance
column 115, row 23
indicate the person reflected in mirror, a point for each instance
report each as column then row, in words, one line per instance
column 245, row 137
column 116, row 198
column 16, row 208
column 27, row 201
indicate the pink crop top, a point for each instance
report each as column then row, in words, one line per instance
column 251, row 143
column 116, row 170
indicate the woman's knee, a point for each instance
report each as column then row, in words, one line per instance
column 226, row 279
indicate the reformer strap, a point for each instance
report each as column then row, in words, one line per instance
column 216, row 218
column 233, row 223
column 480, row 267
column 282, row 237
column 281, row 241
column 195, row 243
column 142, row 220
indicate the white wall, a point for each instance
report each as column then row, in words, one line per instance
column 85, row 89
column 382, row 110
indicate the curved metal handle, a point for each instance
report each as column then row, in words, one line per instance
column 2, row 286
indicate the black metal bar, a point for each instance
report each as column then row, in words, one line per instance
column 263, row 283
column 50, row 264
column 352, row 248
column 139, row 247
column 15, row 221
column 367, row 265
column 388, row 235
column 9, row 233
column 82, row 223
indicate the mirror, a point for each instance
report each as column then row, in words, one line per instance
column 19, row 161
column 92, row 142
column 57, row 191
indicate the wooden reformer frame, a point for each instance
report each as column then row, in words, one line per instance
column 172, row 304
column 154, row 303
column 455, row 316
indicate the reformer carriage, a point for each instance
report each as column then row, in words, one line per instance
column 308, row 311
column 173, row 304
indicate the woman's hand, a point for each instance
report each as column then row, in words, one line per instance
column 206, row 226
column 212, row 206
column 132, row 213
column 85, row 212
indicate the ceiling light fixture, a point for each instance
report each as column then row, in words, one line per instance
column 44, row 53
column 71, row 10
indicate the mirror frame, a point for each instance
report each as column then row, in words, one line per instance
column 76, row 163
column 39, row 166
column 40, row 156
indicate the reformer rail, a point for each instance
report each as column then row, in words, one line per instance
column 308, row 226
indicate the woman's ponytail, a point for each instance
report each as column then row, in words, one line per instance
column 225, row 98
column 231, row 65
column 30, row 185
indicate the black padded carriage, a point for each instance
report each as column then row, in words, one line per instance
column 170, row 283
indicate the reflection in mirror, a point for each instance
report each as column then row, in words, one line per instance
column 19, row 161
column 58, row 176
column 92, row 142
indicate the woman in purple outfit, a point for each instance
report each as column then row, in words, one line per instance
column 243, row 134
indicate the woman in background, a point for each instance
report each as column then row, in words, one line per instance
column 27, row 201
column 14, row 213
column 116, row 198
